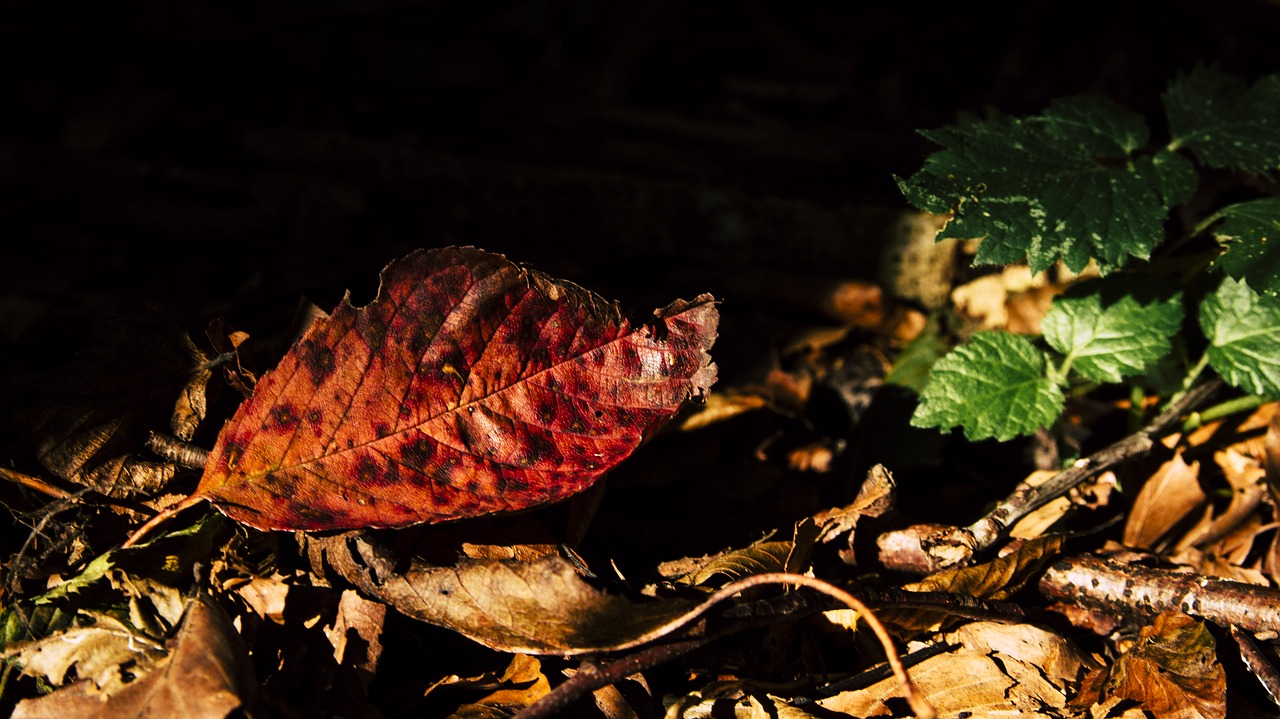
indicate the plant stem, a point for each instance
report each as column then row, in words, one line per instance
column 1195, row 420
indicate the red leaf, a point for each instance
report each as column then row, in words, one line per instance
column 469, row 386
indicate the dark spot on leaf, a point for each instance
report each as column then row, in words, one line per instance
column 367, row 472
column 382, row 429
column 516, row 482
column 473, row 486
column 351, row 443
column 577, row 425
column 319, row 360
column 547, row 412
column 314, row 416
column 441, row 477
column 540, row 448
column 599, row 414
column 317, row 517
column 283, row 417
column 232, row 451
column 418, row 452
column 406, row 411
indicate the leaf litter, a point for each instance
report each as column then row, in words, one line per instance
column 226, row 617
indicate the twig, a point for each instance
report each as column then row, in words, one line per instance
column 1115, row 588
column 1258, row 663
column 176, row 451
column 165, row 515
column 930, row 548
column 919, row 704
column 35, row 483
column 591, row 676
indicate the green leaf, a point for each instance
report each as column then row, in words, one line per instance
column 1059, row 185
column 1113, row 327
column 1251, row 232
column 1243, row 328
column 1224, row 121
column 994, row 386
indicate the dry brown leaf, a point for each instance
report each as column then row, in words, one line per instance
column 520, row 552
column 1167, row 498
column 875, row 497
column 522, row 684
column 1246, row 476
column 763, row 556
column 1062, row 662
column 1172, row 672
column 721, row 406
column 1033, row 525
column 92, row 653
column 961, row 684
column 266, row 597
column 539, row 607
column 361, row 620
column 998, row 578
column 94, row 409
column 205, row 676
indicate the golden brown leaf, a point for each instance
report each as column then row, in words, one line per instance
column 1172, row 672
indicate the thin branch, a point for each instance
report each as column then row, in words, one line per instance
column 175, row 450
column 931, row 548
column 919, row 704
column 591, row 676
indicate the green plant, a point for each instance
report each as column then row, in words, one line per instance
column 1082, row 182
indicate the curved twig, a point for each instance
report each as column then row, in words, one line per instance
column 919, row 704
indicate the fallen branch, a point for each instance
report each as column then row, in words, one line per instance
column 928, row 548
column 1116, row 589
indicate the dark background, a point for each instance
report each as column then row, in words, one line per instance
column 225, row 158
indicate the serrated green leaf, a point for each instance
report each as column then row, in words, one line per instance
column 1174, row 175
column 1059, row 185
column 994, row 386
column 1243, row 328
column 1224, row 121
column 1113, row 327
column 1251, row 231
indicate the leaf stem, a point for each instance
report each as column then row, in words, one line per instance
column 1195, row 420
column 165, row 515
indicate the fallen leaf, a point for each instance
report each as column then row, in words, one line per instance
column 522, row 684
column 1170, row 494
column 875, row 497
column 91, row 411
column 356, row 634
column 1000, row 577
column 469, row 386
column 539, row 607
column 205, row 676
column 93, row 653
column 1172, row 672
column 960, row 684
column 722, row 406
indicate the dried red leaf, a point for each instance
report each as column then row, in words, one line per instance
column 469, row 386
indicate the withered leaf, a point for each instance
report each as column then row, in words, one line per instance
column 1173, row 671
column 1000, row 577
column 87, row 414
column 1170, row 494
column 205, row 676
column 469, row 386
column 538, row 607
